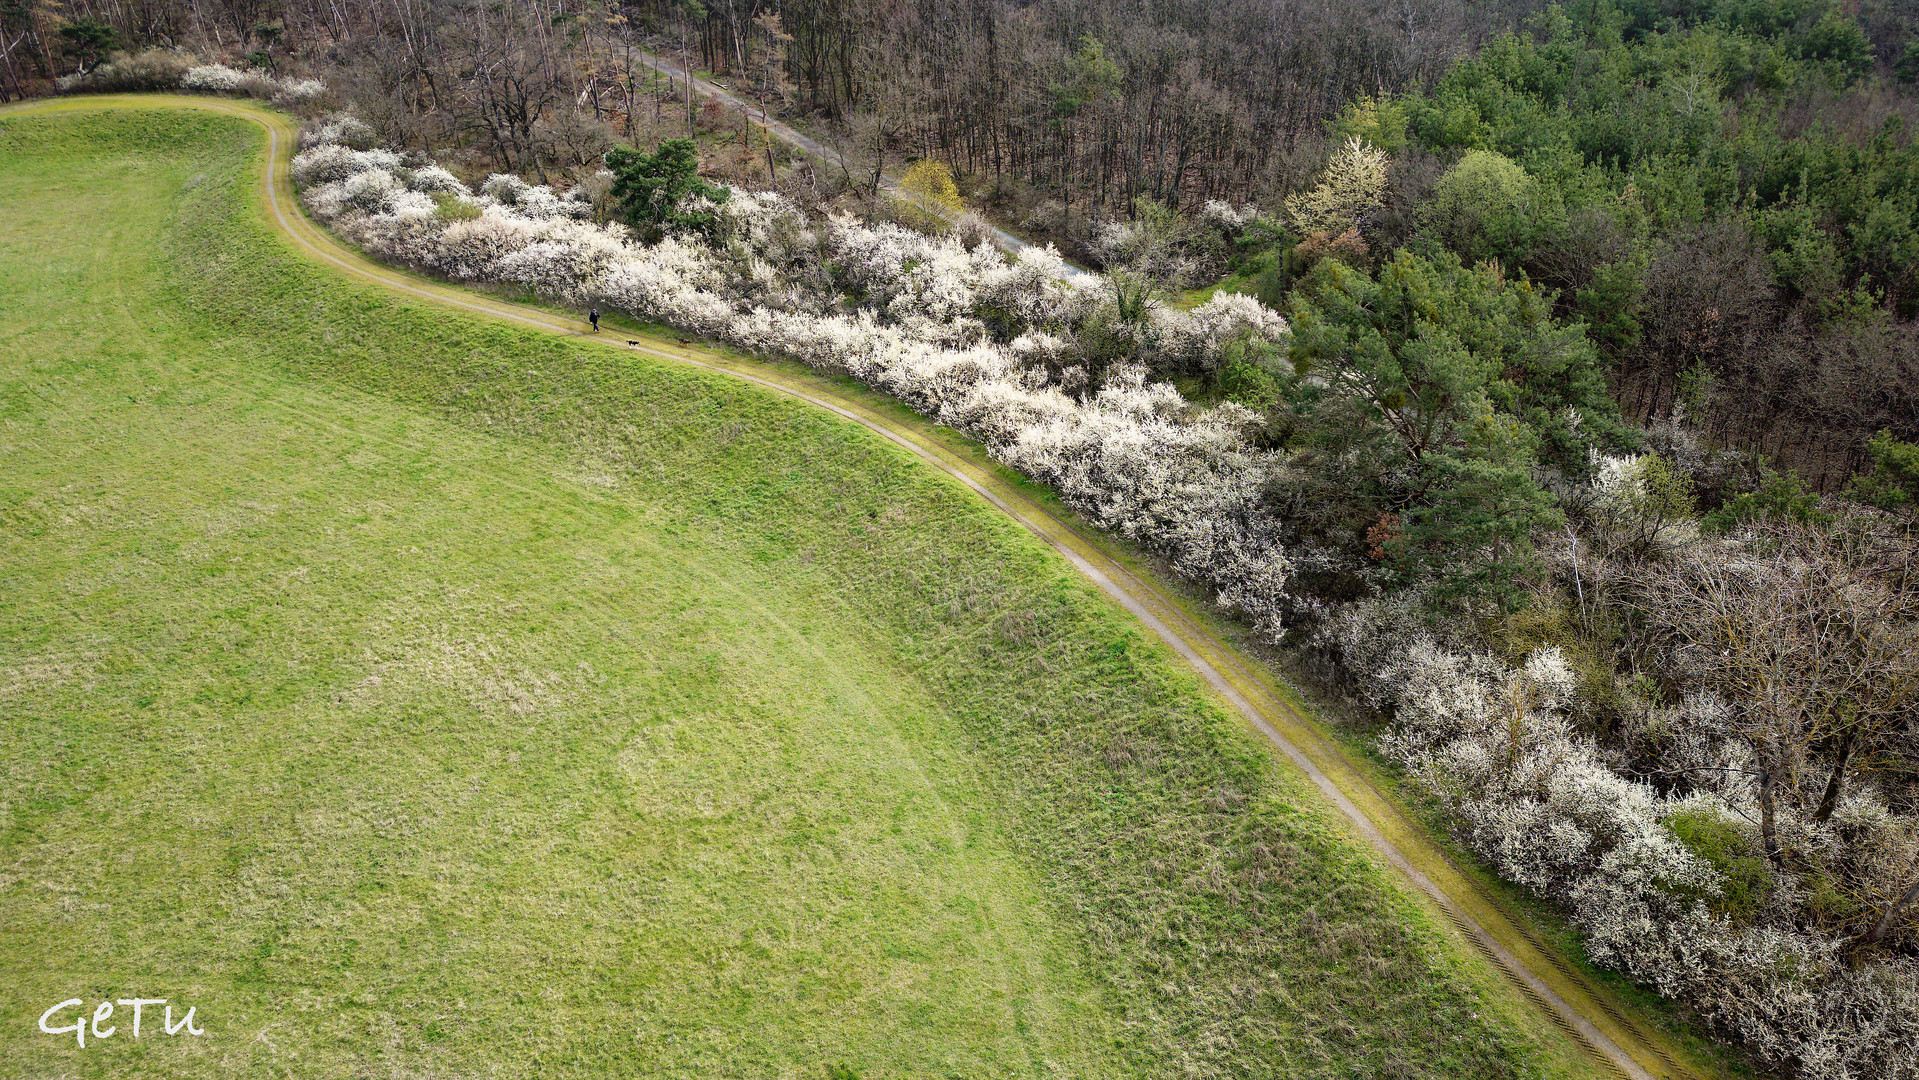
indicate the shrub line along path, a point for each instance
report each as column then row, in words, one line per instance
column 1587, row 1013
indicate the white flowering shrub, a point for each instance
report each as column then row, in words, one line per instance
column 946, row 284
column 469, row 250
column 1539, row 802
column 663, row 283
column 213, row 79
column 330, row 162
column 537, row 202
column 432, row 179
column 1616, row 477
column 505, row 188
column 1226, row 217
column 379, row 192
column 1039, row 291
column 348, row 131
column 562, row 261
column 768, row 224
column 221, row 79
column 1194, row 338
column 541, row 202
column 173, row 69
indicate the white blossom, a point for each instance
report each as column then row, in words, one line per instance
column 329, row 162
column 434, row 179
column 302, row 89
column 379, row 192
column 505, row 188
column 213, row 79
column 1228, row 217
column 1195, row 337
column 341, row 128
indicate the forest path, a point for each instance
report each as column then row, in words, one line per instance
column 1620, row 1042
column 1004, row 240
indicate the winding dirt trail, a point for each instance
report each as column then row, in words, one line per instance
column 1619, row 1043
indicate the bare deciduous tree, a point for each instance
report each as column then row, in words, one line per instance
column 1809, row 634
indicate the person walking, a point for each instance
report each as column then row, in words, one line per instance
column 593, row 316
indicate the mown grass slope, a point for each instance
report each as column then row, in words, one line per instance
column 416, row 695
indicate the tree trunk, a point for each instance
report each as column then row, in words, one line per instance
column 1768, row 835
column 766, row 128
column 1879, row 929
column 686, row 68
column 1830, row 800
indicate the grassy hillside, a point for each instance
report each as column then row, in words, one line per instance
column 416, row 695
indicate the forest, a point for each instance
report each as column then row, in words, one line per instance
column 1543, row 378
column 1721, row 192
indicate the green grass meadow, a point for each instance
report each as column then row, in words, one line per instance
column 415, row 695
